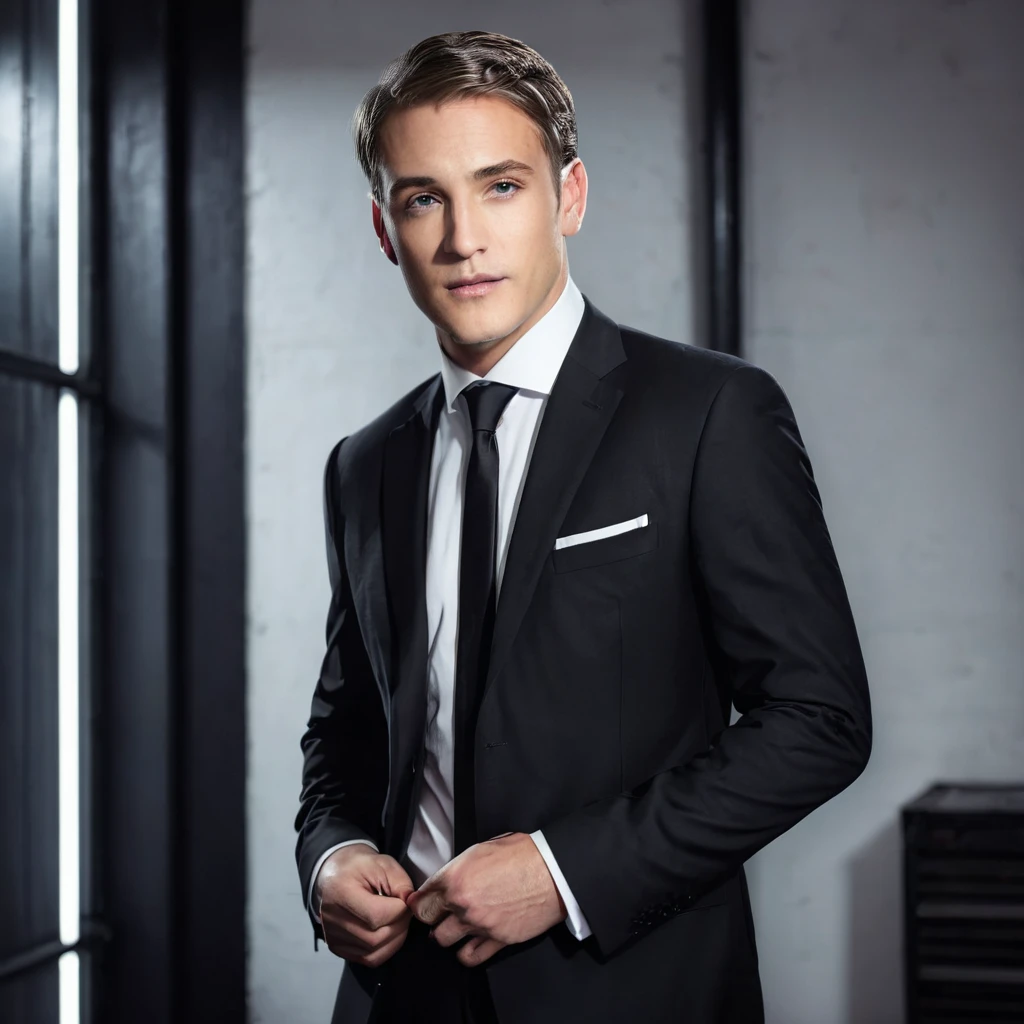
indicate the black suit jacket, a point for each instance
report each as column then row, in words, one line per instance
column 604, row 719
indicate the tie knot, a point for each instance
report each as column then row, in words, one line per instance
column 486, row 403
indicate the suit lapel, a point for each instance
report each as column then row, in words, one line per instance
column 406, row 476
column 579, row 409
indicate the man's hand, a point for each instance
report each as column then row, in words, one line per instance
column 362, row 905
column 500, row 892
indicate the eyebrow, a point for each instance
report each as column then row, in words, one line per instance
column 424, row 181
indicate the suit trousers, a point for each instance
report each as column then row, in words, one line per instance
column 426, row 984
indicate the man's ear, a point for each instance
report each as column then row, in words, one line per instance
column 574, row 198
column 381, row 231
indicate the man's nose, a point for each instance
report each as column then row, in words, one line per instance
column 465, row 229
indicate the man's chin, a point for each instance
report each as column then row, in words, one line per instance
column 479, row 333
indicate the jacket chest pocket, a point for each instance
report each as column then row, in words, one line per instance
column 605, row 550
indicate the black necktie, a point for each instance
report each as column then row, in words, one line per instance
column 477, row 599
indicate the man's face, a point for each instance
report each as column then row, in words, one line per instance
column 452, row 224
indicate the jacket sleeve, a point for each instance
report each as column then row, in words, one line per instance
column 781, row 638
column 344, row 746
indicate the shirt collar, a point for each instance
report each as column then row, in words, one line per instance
column 533, row 362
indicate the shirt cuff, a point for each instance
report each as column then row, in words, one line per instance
column 320, row 864
column 575, row 922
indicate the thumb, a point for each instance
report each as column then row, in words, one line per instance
column 429, row 904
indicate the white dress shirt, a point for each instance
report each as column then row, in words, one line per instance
column 530, row 365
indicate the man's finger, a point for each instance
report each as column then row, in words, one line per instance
column 450, row 930
column 478, row 949
column 371, row 910
column 369, row 957
column 342, row 918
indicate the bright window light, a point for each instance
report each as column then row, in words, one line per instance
column 67, row 699
column 67, row 511
column 67, row 662
column 67, row 968
column 67, row 184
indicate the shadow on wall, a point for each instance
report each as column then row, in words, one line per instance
column 875, row 952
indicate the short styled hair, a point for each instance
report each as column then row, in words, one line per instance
column 456, row 65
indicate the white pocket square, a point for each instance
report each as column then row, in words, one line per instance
column 601, row 532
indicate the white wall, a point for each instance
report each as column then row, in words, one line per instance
column 334, row 337
column 885, row 257
column 885, row 277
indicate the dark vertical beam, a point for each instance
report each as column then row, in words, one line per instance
column 137, row 861
column 210, row 142
column 168, row 223
column 722, row 113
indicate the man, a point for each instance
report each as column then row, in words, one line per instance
column 555, row 566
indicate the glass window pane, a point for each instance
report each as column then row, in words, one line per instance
column 28, row 178
column 31, row 998
column 28, row 693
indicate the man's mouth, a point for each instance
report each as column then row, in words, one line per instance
column 473, row 287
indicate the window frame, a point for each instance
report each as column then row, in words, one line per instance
column 161, row 399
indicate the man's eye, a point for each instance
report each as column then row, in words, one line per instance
column 424, row 202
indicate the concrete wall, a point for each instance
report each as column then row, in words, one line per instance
column 885, row 257
column 885, row 288
column 334, row 337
